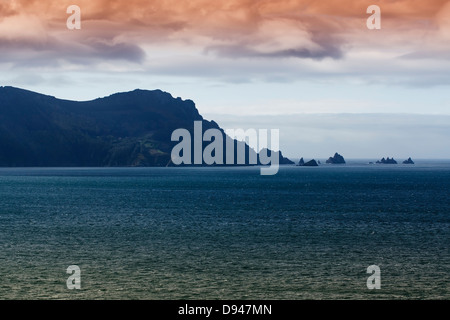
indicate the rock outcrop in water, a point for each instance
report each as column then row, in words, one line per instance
column 387, row 161
column 336, row 159
column 409, row 161
column 281, row 159
column 311, row 163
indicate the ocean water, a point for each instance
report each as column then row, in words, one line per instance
column 226, row 233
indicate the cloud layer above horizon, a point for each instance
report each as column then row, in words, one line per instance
column 218, row 38
column 356, row 136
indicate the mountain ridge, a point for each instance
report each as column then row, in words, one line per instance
column 123, row 129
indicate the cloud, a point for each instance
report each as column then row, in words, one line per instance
column 358, row 136
column 241, row 51
column 167, row 36
column 281, row 38
column 22, row 27
column 115, row 51
column 30, row 79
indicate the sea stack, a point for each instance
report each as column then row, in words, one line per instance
column 311, row 163
column 409, row 161
column 387, row 161
column 336, row 159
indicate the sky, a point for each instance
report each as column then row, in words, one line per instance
column 310, row 68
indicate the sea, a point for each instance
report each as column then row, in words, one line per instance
column 226, row 233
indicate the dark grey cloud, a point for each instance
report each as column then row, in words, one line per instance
column 118, row 51
column 242, row 51
column 52, row 52
column 327, row 46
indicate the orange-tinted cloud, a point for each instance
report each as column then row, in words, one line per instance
column 122, row 29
